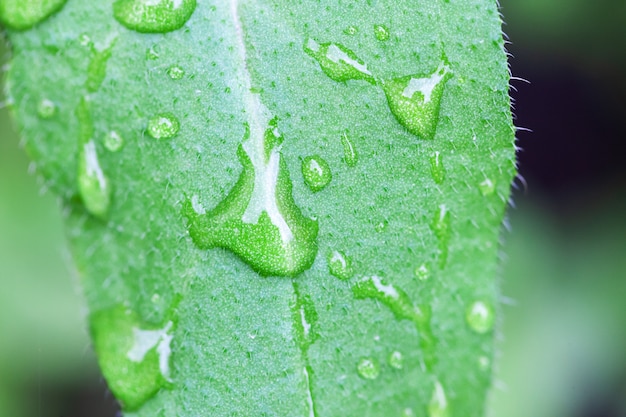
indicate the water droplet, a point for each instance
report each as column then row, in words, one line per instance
column 259, row 220
column 438, row 405
column 96, row 71
column 163, row 126
column 350, row 155
column 93, row 185
column 113, row 141
column 483, row 363
column 153, row 16
column 407, row 412
column 338, row 62
column 368, row 368
column 403, row 309
column 46, row 108
column 381, row 32
column 422, row 273
column 305, row 319
column 381, row 226
column 316, row 172
column 152, row 53
column 396, row 360
column 480, row 317
column 134, row 358
column 415, row 100
column 24, row 14
column 487, row 187
column 441, row 227
column 351, row 30
column 175, row 72
column 339, row 265
column 437, row 170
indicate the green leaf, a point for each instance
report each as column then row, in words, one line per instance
column 278, row 208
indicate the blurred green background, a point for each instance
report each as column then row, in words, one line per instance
column 563, row 331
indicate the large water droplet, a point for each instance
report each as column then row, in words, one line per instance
column 438, row 405
column 113, row 141
column 396, row 360
column 381, row 32
column 46, row 108
column 350, row 156
column 175, row 72
column 24, row 14
column 153, row 16
column 487, row 187
column 480, row 317
column 134, row 358
column 259, row 220
column 96, row 71
column 338, row 62
column 415, row 100
column 339, row 265
column 163, row 126
column 437, row 170
column 441, row 226
column 316, row 172
column 368, row 368
column 93, row 185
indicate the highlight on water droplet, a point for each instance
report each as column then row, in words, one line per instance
column 437, row 170
column 163, row 126
column 175, row 72
column 480, row 317
column 396, row 360
column 338, row 62
column 487, row 187
column 350, row 156
column 438, row 405
column 441, row 227
column 316, row 172
column 415, row 100
column 46, row 108
column 368, row 368
column 381, row 32
column 153, row 16
column 113, row 141
column 422, row 273
column 259, row 220
column 24, row 14
column 351, row 30
column 339, row 265
column 135, row 358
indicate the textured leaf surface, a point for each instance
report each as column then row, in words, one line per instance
column 280, row 208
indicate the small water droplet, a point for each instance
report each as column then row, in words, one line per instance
column 24, row 14
column 152, row 53
column 134, row 358
column 422, row 273
column 350, row 155
column 441, row 227
column 396, row 360
column 85, row 40
column 381, row 32
column 339, row 265
column 113, row 141
column 487, row 187
column 316, row 172
column 338, row 62
column 175, row 72
column 415, row 100
column 407, row 412
column 305, row 319
column 437, row 170
column 46, row 108
column 351, row 30
column 163, row 126
column 480, row 317
column 381, row 226
column 96, row 71
column 438, row 405
column 368, row 368
column 153, row 16
column 483, row 363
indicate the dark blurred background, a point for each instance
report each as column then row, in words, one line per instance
column 563, row 334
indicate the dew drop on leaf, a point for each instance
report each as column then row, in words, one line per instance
column 438, row 405
column 441, row 227
column 338, row 62
column 46, row 108
column 422, row 273
column 153, row 16
column 483, row 363
column 113, row 141
column 480, row 317
column 381, row 32
column 24, row 14
column 163, row 126
column 368, row 368
column 175, row 72
column 96, row 71
column 437, row 170
column 415, row 100
column 487, row 187
column 351, row 30
column 407, row 412
column 350, row 155
column 396, row 360
column 339, row 265
column 316, row 172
